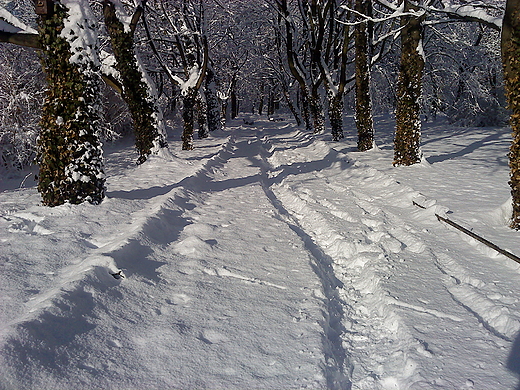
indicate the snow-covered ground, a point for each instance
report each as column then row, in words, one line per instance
column 268, row 258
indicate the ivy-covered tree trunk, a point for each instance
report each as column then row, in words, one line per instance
column 135, row 91
column 409, row 89
column 212, row 102
column 364, row 120
column 69, row 149
column 511, row 61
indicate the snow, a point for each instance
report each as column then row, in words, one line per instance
column 191, row 82
column 9, row 23
column 81, row 33
column 472, row 12
column 268, row 258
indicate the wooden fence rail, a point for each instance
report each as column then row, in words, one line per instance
column 475, row 236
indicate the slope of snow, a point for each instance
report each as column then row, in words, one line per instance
column 268, row 258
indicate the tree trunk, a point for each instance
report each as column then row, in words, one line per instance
column 234, row 105
column 295, row 67
column 69, row 149
column 409, row 89
column 511, row 61
column 305, row 108
column 364, row 121
column 202, row 117
column 290, row 104
column 135, row 92
column 189, row 101
column 336, row 116
column 213, row 106
column 270, row 103
column 316, row 109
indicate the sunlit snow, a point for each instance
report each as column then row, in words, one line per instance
column 268, row 258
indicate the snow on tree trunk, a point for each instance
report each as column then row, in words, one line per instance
column 212, row 102
column 511, row 61
column 364, row 121
column 69, row 148
column 145, row 116
column 409, row 89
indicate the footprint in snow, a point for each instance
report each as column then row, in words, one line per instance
column 26, row 223
column 193, row 247
column 210, row 336
column 179, row 299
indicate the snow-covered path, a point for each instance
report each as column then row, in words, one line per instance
column 414, row 310
column 265, row 260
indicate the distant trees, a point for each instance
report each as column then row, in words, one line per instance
column 317, row 54
column 207, row 55
column 22, row 86
column 178, row 42
column 511, row 59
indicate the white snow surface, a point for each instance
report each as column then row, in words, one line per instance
column 80, row 31
column 11, row 24
column 268, row 258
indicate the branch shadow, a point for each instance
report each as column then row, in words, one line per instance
column 466, row 150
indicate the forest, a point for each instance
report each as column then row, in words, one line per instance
column 207, row 61
column 271, row 194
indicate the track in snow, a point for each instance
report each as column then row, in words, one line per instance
column 359, row 241
column 334, row 311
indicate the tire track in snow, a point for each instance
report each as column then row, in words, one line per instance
column 470, row 292
column 338, row 369
column 371, row 332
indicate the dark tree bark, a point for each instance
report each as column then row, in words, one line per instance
column 336, row 99
column 202, row 117
column 69, row 149
column 294, row 66
column 511, row 60
column 135, row 91
column 189, row 101
column 364, row 121
column 409, row 90
column 212, row 101
column 316, row 110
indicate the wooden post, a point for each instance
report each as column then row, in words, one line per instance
column 43, row 7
